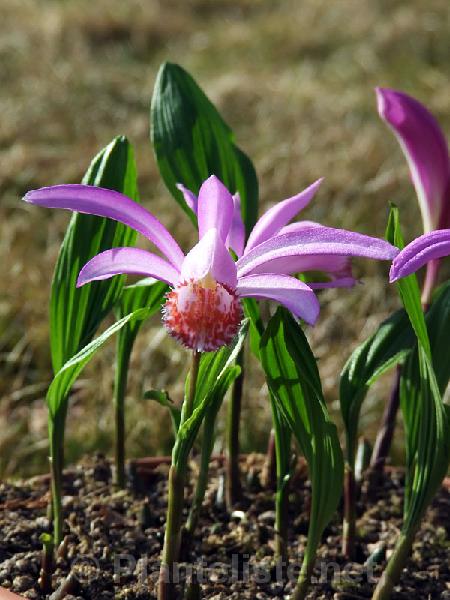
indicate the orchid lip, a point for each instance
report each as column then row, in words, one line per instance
column 203, row 315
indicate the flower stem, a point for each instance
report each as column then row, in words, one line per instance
column 348, row 527
column 202, row 481
column 120, row 385
column 56, row 466
column 233, row 481
column 172, row 537
column 301, row 589
column 192, row 383
column 175, row 501
column 394, row 568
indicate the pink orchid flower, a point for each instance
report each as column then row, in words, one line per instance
column 426, row 151
column 203, row 309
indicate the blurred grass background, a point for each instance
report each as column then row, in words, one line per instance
column 294, row 79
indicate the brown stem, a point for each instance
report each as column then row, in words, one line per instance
column 385, row 433
column 68, row 586
column 270, row 472
column 47, row 564
column 281, row 522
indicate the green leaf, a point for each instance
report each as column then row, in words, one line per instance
column 75, row 313
column 147, row 293
column 438, row 326
column 252, row 312
column 192, row 141
column 294, row 382
column 427, row 427
column 216, row 373
column 67, row 375
column 283, row 449
column 438, row 323
column 408, row 287
column 162, row 397
column 388, row 346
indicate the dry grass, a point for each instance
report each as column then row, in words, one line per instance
column 295, row 81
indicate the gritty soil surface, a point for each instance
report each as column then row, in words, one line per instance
column 113, row 539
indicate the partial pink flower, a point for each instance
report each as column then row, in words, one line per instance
column 425, row 148
column 428, row 247
column 426, row 151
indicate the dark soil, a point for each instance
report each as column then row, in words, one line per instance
column 114, row 539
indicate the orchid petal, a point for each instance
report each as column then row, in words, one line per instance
column 279, row 215
column 420, row 251
column 215, row 208
column 328, row 263
column 101, row 202
column 129, row 261
column 236, row 237
column 292, row 293
column 338, row 282
column 296, row 252
column 426, row 151
column 210, row 257
column 299, row 226
column 189, row 197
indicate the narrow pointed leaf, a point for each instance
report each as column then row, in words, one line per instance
column 216, row 373
column 294, row 382
column 426, row 422
column 192, row 141
column 75, row 313
column 66, row 376
column 408, row 287
column 388, row 346
column 438, row 323
column 163, row 398
column 147, row 293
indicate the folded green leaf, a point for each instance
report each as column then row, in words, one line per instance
column 192, row 142
column 75, row 313
column 147, row 293
column 426, row 424
column 66, row 376
column 294, row 382
column 216, row 373
column 438, row 323
column 252, row 312
column 388, row 346
column 162, row 397
column 428, row 439
column 408, row 287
